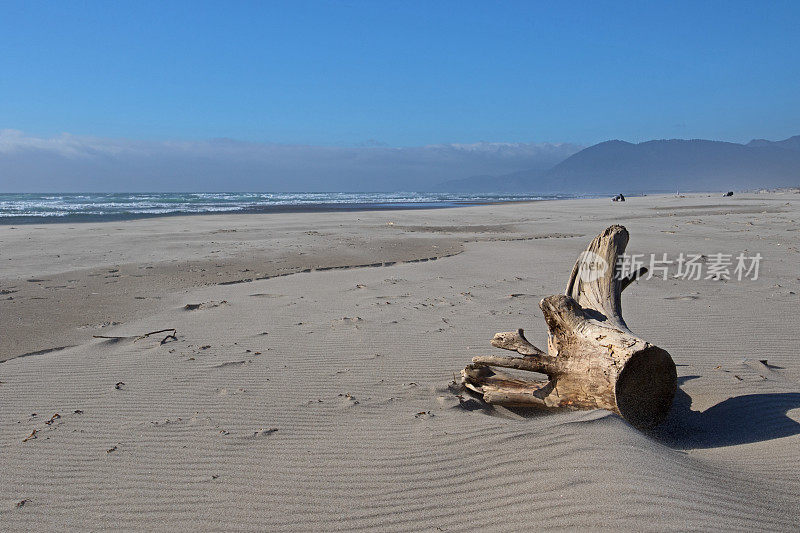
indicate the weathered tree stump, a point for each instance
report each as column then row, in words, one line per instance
column 594, row 361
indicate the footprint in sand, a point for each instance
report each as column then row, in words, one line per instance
column 354, row 321
column 348, row 399
column 101, row 325
column 225, row 392
column 246, row 437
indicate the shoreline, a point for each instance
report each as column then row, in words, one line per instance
column 284, row 209
column 321, row 207
column 77, row 218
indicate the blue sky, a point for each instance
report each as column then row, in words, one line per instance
column 402, row 73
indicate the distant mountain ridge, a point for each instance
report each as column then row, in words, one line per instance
column 653, row 166
column 792, row 143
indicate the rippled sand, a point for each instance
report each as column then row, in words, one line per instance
column 307, row 387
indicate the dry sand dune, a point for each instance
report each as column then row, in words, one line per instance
column 320, row 400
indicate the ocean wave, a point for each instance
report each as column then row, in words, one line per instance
column 15, row 208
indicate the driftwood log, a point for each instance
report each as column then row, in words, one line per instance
column 594, row 361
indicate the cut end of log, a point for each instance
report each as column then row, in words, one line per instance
column 646, row 387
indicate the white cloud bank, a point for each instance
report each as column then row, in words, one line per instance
column 69, row 163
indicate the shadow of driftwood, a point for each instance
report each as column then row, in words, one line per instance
column 741, row 420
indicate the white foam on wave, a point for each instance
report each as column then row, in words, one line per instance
column 122, row 205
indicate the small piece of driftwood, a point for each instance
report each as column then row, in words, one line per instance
column 172, row 335
column 594, row 361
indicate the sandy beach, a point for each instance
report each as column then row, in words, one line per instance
column 308, row 384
